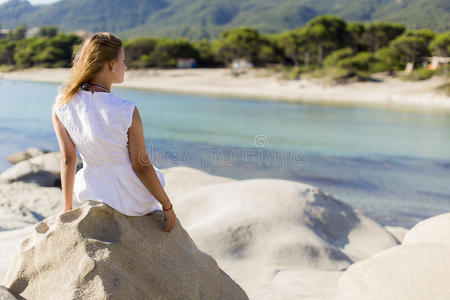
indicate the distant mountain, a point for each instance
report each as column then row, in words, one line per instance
column 71, row 15
column 13, row 11
column 207, row 18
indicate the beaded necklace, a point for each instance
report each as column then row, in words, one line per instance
column 85, row 86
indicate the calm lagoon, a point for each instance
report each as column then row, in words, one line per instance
column 394, row 165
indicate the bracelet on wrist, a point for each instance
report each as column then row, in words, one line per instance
column 168, row 208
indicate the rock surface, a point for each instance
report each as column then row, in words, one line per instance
column 22, row 204
column 397, row 231
column 5, row 294
column 94, row 252
column 431, row 230
column 44, row 170
column 417, row 269
column 278, row 239
column 9, row 242
column 259, row 228
column 181, row 180
column 24, row 155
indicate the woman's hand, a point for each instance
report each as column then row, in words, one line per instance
column 170, row 218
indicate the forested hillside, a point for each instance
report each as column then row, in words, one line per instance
column 198, row 19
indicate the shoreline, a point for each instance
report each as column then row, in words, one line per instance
column 264, row 85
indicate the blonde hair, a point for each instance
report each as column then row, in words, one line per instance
column 88, row 60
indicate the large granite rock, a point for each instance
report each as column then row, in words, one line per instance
column 180, row 180
column 418, row 269
column 95, row 252
column 432, row 230
column 259, row 230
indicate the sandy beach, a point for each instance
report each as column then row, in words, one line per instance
column 260, row 84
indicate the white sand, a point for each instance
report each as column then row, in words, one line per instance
column 265, row 85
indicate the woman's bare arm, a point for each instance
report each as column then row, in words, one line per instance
column 68, row 160
column 141, row 162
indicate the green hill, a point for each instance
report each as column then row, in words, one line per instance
column 207, row 18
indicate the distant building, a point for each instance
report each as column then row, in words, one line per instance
column 436, row 61
column 186, row 63
column 240, row 65
column 4, row 33
column 32, row 32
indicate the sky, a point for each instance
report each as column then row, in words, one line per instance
column 34, row 1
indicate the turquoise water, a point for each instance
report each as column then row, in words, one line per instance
column 393, row 165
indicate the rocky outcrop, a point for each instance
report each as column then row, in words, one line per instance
column 95, row 252
column 259, row 229
column 277, row 239
column 418, row 269
column 44, row 170
column 24, row 155
column 22, row 204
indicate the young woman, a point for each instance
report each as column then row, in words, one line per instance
column 107, row 131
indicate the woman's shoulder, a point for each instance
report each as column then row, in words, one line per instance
column 124, row 108
column 58, row 105
column 72, row 99
column 121, row 101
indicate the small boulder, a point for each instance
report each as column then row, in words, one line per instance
column 24, row 155
column 44, row 170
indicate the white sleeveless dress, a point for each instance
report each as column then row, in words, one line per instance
column 98, row 123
